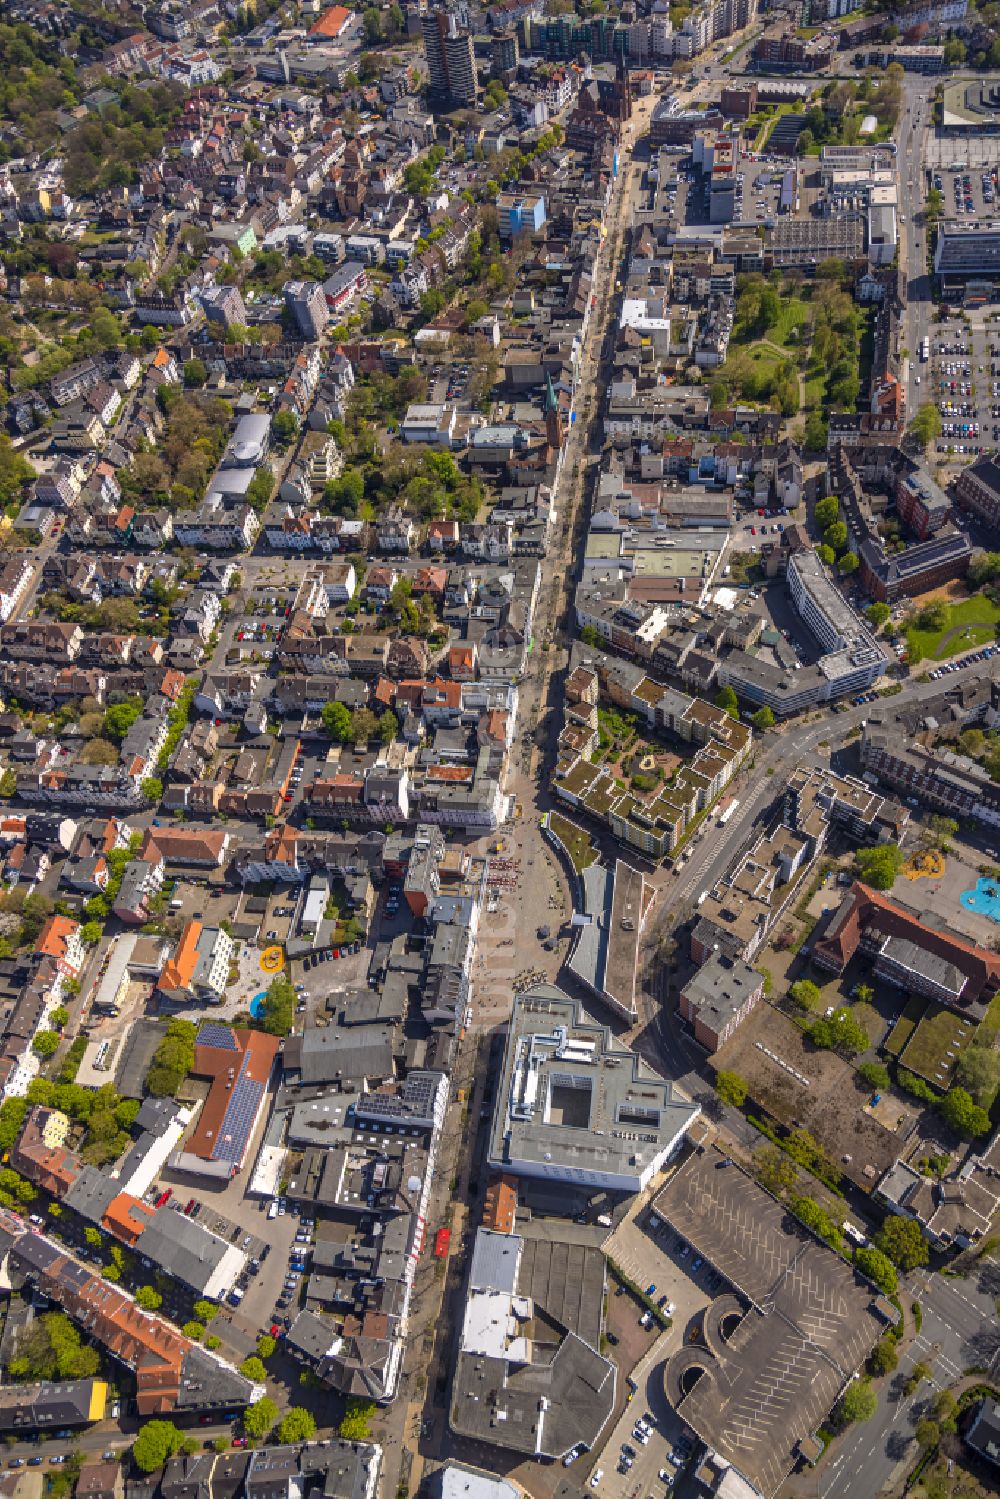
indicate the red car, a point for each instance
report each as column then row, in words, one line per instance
column 442, row 1240
column 275, row 1330
column 164, row 1197
column 760, row 511
column 239, row 1441
column 753, row 530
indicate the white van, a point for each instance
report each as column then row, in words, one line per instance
column 272, row 1211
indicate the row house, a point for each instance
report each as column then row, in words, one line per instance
column 16, row 578
column 41, row 640
column 217, row 528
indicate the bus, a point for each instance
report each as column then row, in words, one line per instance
column 925, row 351
column 727, row 814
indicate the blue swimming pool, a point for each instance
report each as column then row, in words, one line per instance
column 985, row 899
column 257, row 1004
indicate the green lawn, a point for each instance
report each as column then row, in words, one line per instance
column 815, row 387
column 905, row 1025
column 794, row 314
column 939, row 1033
column 574, row 840
column 972, row 622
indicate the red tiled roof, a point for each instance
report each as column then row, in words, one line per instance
column 178, row 971
column 331, row 23
column 55, row 934
column 866, row 908
column 217, row 1062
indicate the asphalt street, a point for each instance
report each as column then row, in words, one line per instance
column 913, row 228
column 958, row 1333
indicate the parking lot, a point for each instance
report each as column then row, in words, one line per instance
column 970, row 193
column 757, row 198
column 647, row 1448
column 985, row 654
column 964, row 378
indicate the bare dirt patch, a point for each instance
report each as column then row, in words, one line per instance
column 831, row 1107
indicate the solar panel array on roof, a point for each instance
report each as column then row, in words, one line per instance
column 238, row 1121
column 415, row 1100
column 219, row 1036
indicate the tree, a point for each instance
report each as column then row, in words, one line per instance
column 285, row 425
column 826, row 511
column 848, row 564
column 278, row 1008
column 298, row 1426
column 984, row 567
column 902, row 1241
column 99, row 752
column 205, row 1311
column 926, row 1431
column 149, row 1299
column 878, row 613
column 963, row 1115
column 836, row 535
column 355, row 1425
column 195, row 373
column 90, row 933
column 879, row 866
column 813, row 1216
column 45, row 1043
column 93, row 1236
column 919, row 1372
column 589, row 636
column 194, row 1330
column 259, row 1418
column 858, row 1402
column 266, row 1345
column 874, row 1075
column 879, row 1268
column 945, row 1409
column 364, row 726
column 884, row 1359
column 979, row 1070
column 925, row 427
column 172, row 1060
column 816, row 432
column 775, row 1170
column 152, row 788
column 59, row 1017
column 252, row 1368
column 826, row 555
column 731, row 1088
column 388, row 726
column 156, row 1443
column 16, row 473
column 839, row 1032
column 337, row 721
column 763, row 719
column 51, row 1348
column 805, row 993
column 727, row 700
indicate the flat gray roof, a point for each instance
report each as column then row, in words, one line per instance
column 767, row 1384
column 573, row 1100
